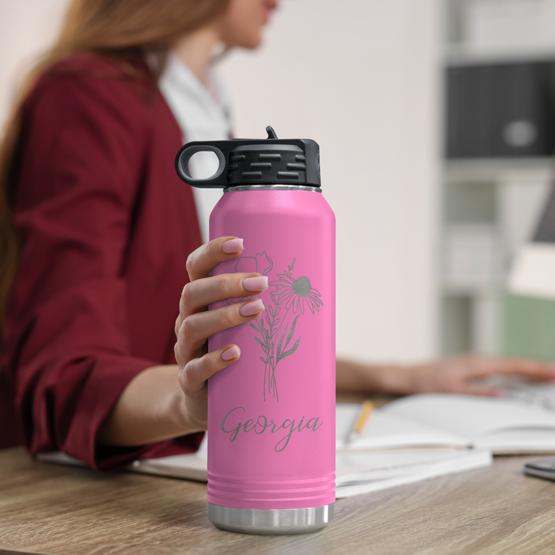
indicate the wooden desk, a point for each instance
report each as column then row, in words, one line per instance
column 53, row 509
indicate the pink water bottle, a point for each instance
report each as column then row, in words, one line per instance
column 271, row 414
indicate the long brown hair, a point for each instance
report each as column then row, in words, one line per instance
column 116, row 28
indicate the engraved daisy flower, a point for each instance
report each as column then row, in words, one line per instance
column 296, row 293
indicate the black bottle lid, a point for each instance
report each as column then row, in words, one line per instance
column 255, row 162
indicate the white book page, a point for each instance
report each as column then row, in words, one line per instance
column 191, row 466
column 385, row 431
column 363, row 472
column 472, row 417
column 515, row 442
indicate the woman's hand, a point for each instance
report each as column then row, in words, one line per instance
column 157, row 404
column 195, row 323
column 467, row 374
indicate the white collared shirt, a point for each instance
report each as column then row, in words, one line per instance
column 202, row 114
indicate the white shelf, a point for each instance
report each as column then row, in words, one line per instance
column 477, row 290
column 494, row 170
column 462, row 55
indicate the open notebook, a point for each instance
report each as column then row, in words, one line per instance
column 357, row 471
column 457, row 421
column 400, row 445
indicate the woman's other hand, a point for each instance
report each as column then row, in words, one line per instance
column 466, row 374
column 196, row 323
column 469, row 374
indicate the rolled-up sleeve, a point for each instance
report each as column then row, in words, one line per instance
column 76, row 175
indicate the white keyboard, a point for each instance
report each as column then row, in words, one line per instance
column 539, row 394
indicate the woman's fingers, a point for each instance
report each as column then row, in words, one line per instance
column 193, row 376
column 530, row 369
column 196, row 328
column 198, row 294
column 208, row 255
column 480, row 390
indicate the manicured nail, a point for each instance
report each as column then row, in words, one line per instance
column 252, row 308
column 231, row 353
column 256, row 283
column 233, row 245
column 499, row 393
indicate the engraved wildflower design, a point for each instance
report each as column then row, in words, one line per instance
column 290, row 296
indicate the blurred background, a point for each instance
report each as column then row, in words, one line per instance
column 436, row 125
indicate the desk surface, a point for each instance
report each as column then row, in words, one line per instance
column 53, row 509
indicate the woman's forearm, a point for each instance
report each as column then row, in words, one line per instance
column 151, row 408
column 361, row 377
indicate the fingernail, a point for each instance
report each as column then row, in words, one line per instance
column 233, row 245
column 252, row 308
column 499, row 393
column 231, row 353
column 256, row 283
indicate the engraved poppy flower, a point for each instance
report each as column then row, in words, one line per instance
column 296, row 293
column 260, row 262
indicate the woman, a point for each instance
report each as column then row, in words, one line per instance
column 102, row 244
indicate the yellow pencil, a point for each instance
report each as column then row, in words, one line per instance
column 365, row 411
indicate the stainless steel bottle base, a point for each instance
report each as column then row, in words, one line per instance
column 270, row 521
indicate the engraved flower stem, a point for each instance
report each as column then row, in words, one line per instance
column 290, row 292
column 270, row 370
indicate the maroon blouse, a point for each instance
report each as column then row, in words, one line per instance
column 105, row 227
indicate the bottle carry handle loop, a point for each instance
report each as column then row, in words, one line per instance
column 182, row 165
